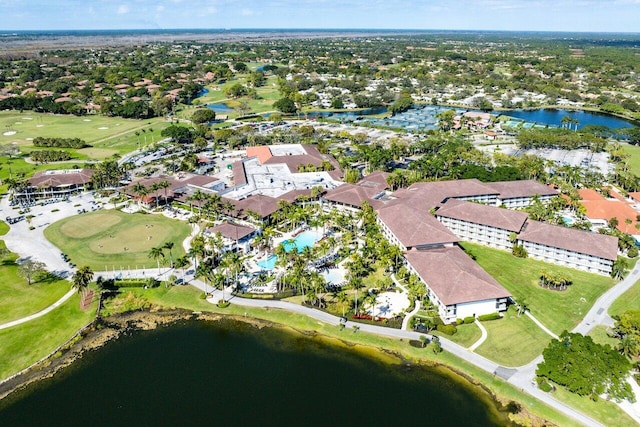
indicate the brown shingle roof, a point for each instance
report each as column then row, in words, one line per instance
column 239, row 174
column 482, row 214
column 530, row 188
column 232, row 230
column 453, row 276
column 61, row 178
column 414, row 227
column 258, row 203
column 351, row 194
column 570, row 239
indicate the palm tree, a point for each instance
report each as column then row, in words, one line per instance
column 82, row 277
column 163, row 185
column 156, row 253
column 371, row 300
column 619, row 268
column 153, row 189
column 169, row 246
column 343, row 298
column 140, row 190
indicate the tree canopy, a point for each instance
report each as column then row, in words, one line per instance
column 585, row 368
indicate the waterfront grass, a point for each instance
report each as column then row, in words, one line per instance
column 113, row 239
column 25, row 344
column 513, row 341
column 634, row 156
column 106, row 135
column 557, row 310
column 19, row 299
column 630, row 300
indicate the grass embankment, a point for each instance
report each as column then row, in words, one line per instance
column 115, row 239
column 634, row 156
column 187, row 298
column 557, row 310
column 23, row 345
column 17, row 298
column 630, row 300
column 106, row 135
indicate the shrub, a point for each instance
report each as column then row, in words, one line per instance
column 130, row 283
column 490, row 316
column 632, row 252
column 469, row 319
column 544, row 385
column 447, row 329
column 519, row 251
column 459, row 321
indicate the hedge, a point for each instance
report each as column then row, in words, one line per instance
column 490, row 316
column 447, row 329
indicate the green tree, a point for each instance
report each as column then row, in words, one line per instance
column 156, row 253
column 586, row 368
column 82, row 277
column 31, row 270
column 285, row 105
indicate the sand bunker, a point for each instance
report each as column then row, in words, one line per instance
column 28, row 139
column 27, row 118
column 86, row 120
column 10, row 132
column 18, row 123
column 103, row 128
column 39, row 126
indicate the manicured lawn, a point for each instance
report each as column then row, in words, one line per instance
column 466, row 335
column 600, row 336
column 634, row 153
column 630, row 300
column 18, row 299
column 114, row 239
column 557, row 310
column 107, row 135
column 608, row 413
column 25, row 344
column 513, row 341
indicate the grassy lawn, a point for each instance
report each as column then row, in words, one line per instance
column 600, row 336
column 630, row 300
column 513, row 341
column 114, row 239
column 466, row 335
column 23, row 345
column 557, row 310
column 107, row 135
column 18, row 299
column 634, row 152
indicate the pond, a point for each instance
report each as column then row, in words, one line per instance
column 554, row 117
column 220, row 107
column 232, row 373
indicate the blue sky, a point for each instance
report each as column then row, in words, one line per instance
column 533, row 15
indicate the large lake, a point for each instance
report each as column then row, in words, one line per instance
column 229, row 373
column 554, row 117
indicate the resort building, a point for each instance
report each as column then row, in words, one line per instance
column 53, row 184
column 520, row 194
column 371, row 189
column 600, row 210
column 411, row 228
column 456, row 284
column 573, row 248
column 235, row 237
column 482, row 224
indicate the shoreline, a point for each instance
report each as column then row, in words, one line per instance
column 102, row 331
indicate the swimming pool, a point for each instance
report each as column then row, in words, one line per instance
column 269, row 263
column 334, row 276
column 568, row 220
column 302, row 240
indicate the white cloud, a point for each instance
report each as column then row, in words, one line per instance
column 211, row 10
column 246, row 12
column 123, row 9
column 160, row 8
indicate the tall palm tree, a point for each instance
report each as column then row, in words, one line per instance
column 140, row 190
column 164, row 185
column 169, row 246
column 156, row 253
column 82, row 277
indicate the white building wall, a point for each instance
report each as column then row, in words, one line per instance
column 478, row 308
column 522, row 202
column 478, row 233
column 590, row 263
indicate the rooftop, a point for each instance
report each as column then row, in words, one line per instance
column 482, row 214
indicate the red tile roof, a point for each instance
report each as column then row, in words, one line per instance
column 262, row 152
column 597, row 207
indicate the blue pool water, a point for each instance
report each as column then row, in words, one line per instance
column 567, row 220
column 333, row 276
column 302, row 240
column 269, row 263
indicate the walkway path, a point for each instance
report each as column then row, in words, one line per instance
column 540, row 325
column 483, row 337
column 41, row 313
column 405, row 321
